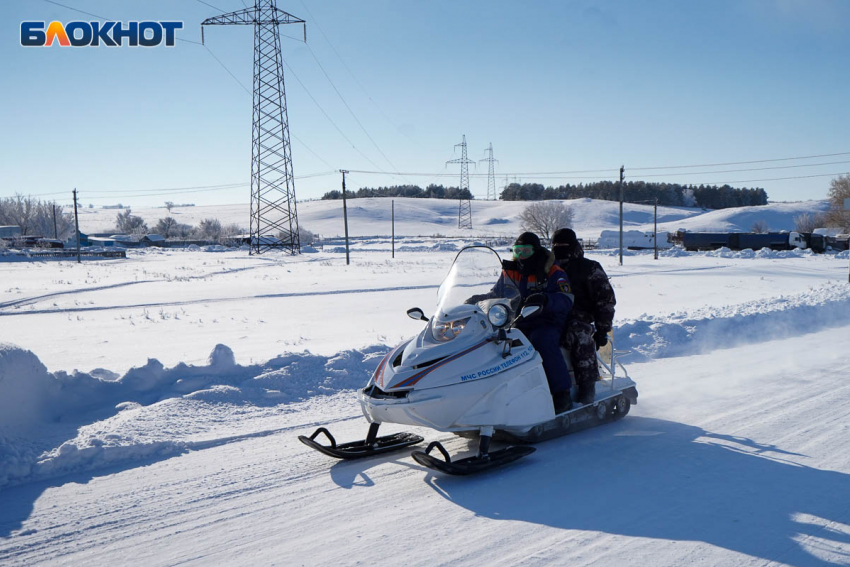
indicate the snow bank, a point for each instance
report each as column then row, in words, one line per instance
column 701, row 331
column 55, row 423
column 724, row 252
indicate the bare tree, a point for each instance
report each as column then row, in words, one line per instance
column 229, row 232
column 545, row 217
column 127, row 223
column 169, row 205
column 34, row 217
column 167, row 227
column 183, row 231
column 839, row 189
column 209, row 229
column 18, row 211
column 808, row 222
column 760, row 227
column 305, row 236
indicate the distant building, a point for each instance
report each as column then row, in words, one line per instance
column 10, row 231
column 264, row 240
column 104, row 241
column 632, row 239
column 153, row 240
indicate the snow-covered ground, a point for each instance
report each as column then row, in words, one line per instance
column 149, row 410
column 429, row 217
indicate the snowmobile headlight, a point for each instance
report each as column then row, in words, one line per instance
column 498, row 315
column 445, row 331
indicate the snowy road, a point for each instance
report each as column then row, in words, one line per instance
column 161, row 453
column 736, row 459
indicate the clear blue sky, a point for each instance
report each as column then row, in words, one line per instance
column 554, row 85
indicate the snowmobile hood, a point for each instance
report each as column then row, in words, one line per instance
column 424, row 363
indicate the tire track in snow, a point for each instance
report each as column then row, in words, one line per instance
column 215, row 300
column 36, row 299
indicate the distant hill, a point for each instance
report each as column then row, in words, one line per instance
column 427, row 217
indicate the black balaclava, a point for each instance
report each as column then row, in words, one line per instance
column 534, row 264
column 572, row 249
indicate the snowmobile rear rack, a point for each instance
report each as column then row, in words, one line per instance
column 371, row 446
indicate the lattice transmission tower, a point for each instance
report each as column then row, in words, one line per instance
column 274, row 215
column 464, row 211
column 491, row 174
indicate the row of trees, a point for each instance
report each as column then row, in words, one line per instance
column 36, row 217
column 668, row 194
column 415, row 191
column 208, row 229
column 169, row 227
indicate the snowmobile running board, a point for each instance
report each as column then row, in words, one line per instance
column 469, row 465
column 369, row 447
column 606, row 410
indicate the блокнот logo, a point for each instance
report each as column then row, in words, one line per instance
column 110, row 34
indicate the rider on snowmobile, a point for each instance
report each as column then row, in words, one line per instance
column 542, row 282
column 594, row 305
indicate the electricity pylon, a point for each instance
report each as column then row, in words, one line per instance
column 464, row 211
column 274, row 215
column 491, row 174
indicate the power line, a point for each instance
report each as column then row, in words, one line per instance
column 211, row 6
column 105, row 18
column 740, row 162
column 566, row 174
column 244, row 88
column 111, row 193
column 748, row 169
column 319, row 106
column 775, row 178
column 350, row 72
column 76, row 10
column 339, row 94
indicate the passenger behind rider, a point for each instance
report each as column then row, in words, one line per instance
column 542, row 282
column 593, row 305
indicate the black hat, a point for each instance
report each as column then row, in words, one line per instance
column 565, row 245
column 565, row 236
column 528, row 238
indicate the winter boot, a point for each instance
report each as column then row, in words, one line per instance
column 586, row 393
column 562, row 401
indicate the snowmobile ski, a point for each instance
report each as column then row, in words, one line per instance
column 469, row 465
column 371, row 446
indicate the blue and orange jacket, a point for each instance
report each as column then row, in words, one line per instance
column 553, row 281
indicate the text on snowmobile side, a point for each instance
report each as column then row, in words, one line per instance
column 498, row 368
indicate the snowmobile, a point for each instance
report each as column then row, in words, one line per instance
column 470, row 371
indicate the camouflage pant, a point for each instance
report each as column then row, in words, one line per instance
column 577, row 338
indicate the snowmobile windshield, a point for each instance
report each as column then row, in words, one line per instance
column 476, row 275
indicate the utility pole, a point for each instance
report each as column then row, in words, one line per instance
column 345, row 215
column 464, row 211
column 622, row 177
column 655, row 237
column 393, row 222
column 491, row 174
column 847, row 208
column 55, row 233
column 274, row 214
column 77, row 225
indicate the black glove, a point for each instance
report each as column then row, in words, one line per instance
column 536, row 299
column 600, row 338
column 476, row 298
